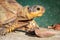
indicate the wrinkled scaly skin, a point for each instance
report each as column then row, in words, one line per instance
column 13, row 16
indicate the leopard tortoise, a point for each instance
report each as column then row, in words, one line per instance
column 15, row 16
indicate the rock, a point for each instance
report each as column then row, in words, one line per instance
column 44, row 33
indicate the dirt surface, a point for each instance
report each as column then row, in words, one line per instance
column 21, row 36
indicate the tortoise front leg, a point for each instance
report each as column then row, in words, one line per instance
column 32, row 26
column 29, row 27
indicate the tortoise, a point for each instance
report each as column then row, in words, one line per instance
column 14, row 16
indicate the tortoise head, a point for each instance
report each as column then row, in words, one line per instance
column 31, row 12
column 34, row 11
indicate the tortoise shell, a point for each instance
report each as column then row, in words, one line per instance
column 8, row 11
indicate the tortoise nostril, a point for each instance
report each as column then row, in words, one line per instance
column 38, row 9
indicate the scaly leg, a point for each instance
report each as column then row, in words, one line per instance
column 30, row 27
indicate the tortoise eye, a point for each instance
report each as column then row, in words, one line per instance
column 28, row 8
column 38, row 9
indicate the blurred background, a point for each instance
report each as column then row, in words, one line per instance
column 52, row 14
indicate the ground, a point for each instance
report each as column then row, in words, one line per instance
column 17, row 35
